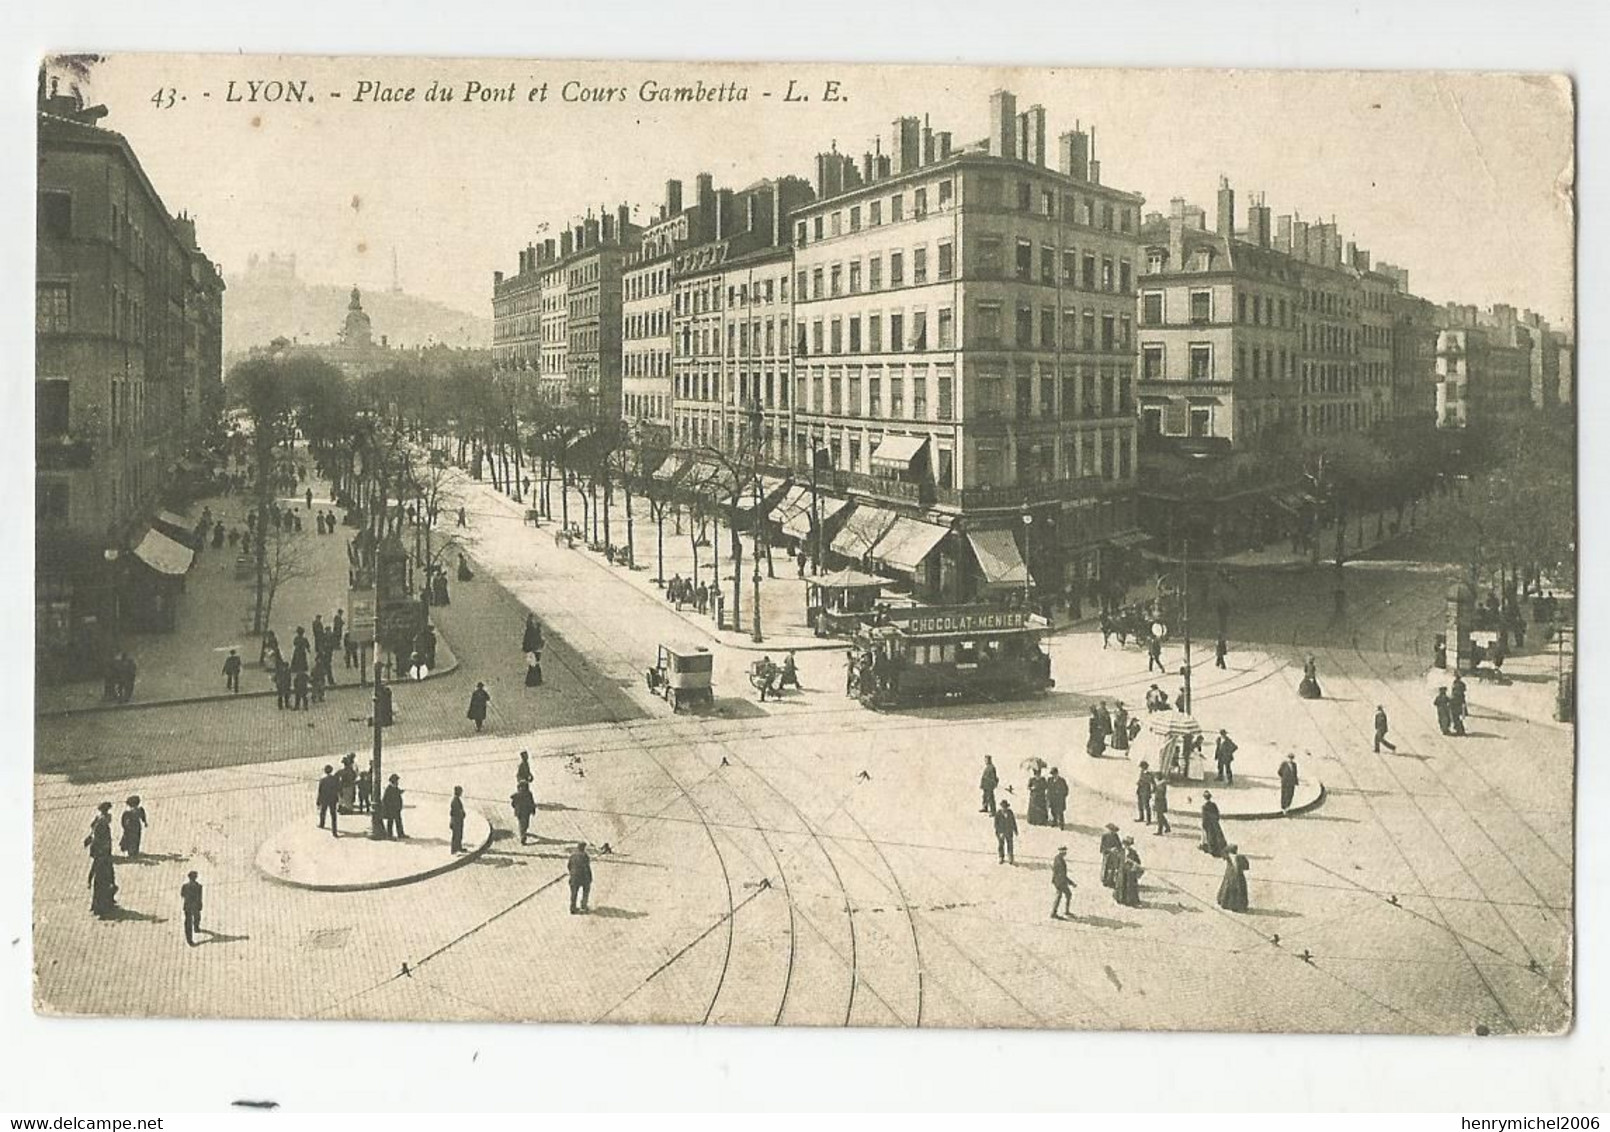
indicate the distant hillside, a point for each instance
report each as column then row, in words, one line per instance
column 269, row 300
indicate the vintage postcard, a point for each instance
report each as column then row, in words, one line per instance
column 804, row 545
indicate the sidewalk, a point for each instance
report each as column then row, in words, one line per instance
column 782, row 599
column 215, row 615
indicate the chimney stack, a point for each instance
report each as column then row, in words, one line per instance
column 497, row 277
column 1226, row 209
column 1284, row 237
column 1073, row 151
column 1176, row 239
column 1258, row 222
column 779, row 221
column 623, row 221
column 673, row 197
column 942, row 145
column 1299, row 239
column 724, row 215
column 1031, row 135
column 907, row 144
column 567, row 243
column 1095, row 166
column 1003, row 124
column 927, row 142
column 607, row 228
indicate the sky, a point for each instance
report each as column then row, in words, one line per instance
column 1462, row 178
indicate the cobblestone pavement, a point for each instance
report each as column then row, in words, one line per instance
column 811, row 862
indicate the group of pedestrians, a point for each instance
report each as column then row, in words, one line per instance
column 310, row 669
column 703, row 597
column 1116, row 729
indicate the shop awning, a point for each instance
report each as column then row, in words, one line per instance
column 177, row 528
column 898, row 452
column 771, row 489
column 861, row 532
column 850, row 580
column 669, row 470
column 163, row 554
column 998, row 557
column 798, row 523
column 908, row 543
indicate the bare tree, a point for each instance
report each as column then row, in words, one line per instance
column 285, row 559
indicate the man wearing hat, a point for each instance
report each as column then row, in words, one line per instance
column 190, row 893
column 1005, row 832
column 1143, row 793
column 1112, row 853
column 1061, row 883
column 391, row 808
column 1056, row 797
column 329, row 798
column 1288, row 782
column 1224, row 749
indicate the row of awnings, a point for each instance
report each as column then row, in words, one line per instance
column 793, row 512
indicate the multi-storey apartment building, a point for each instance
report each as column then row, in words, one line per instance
column 1483, row 374
column 1219, row 337
column 517, row 314
column 964, row 355
column 128, row 357
column 553, row 326
column 593, row 295
column 731, row 323
column 1415, row 325
column 646, row 304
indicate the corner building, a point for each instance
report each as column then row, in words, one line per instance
column 964, row 355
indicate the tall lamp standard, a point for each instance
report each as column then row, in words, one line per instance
column 1028, row 580
column 755, row 450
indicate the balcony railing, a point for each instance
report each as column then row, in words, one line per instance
column 1023, row 495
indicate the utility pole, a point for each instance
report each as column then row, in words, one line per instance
column 1185, row 618
column 377, row 824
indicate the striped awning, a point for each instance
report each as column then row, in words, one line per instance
column 998, row 557
column 163, row 554
column 798, row 523
column 908, row 543
column 861, row 532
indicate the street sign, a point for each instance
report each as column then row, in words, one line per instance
column 361, row 616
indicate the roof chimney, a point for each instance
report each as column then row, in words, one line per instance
column 1226, row 209
column 623, row 221
column 942, row 145
column 1073, row 154
column 673, row 197
column 907, row 144
column 1031, row 135
column 1003, row 124
column 927, row 142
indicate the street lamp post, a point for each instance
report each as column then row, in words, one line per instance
column 377, row 824
column 1185, row 617
column 1028, row 578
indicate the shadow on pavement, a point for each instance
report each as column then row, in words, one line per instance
column 616, row 913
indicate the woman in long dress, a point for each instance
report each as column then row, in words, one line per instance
column 1213, row 842
column 1233, row 889
column 1097, row 743
column 1130, row 870
column 1038, row 813
column 1120, row 729
column 133, row 827
column 533, row 669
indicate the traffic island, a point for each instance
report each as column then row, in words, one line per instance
column 1254, row 795
column 304, row 856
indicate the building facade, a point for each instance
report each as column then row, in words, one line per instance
column 1482, row 378
column 517, row 315
column 732, row 319
column 604, row 245
column 128, row 367
column 964, row 352
column 647, row 339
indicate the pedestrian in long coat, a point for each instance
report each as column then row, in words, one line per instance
column 232, row 671
column 1288, row 782
column 533, row 669
column 1444, row 707
column 1112, row 855
column 1126, row 890
column 522, row 773
column 1160, row 804
column 1457, row 706
column 1143, row 793
column 531, row 638
column 134, row 822
column 455, row 819
column 1212, row 831
column 1005, row 832
column 328, row 799
column 579, row 870
column 1380, row 731
column 987, row 782
column 391, row 809
column 299, row 650
column 524, row 806
column 1061, row 884
column 478, row 701
column 190, row 897
column 1056, row 797
column 1038, row 814
column 1224, row 750
column 1233, row 888
column 347, row 777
